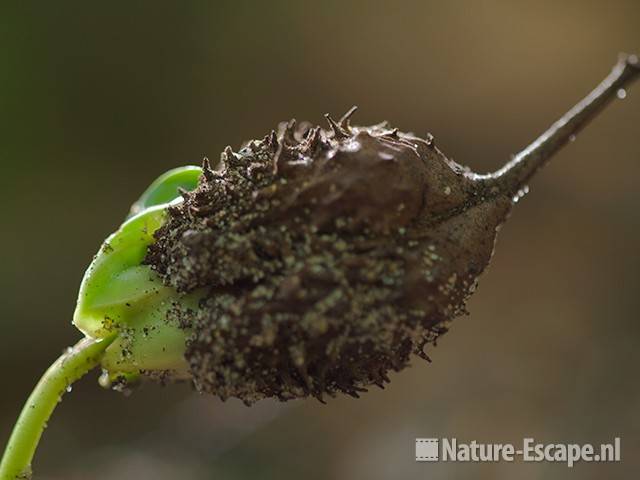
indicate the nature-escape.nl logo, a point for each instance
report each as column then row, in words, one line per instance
column 452, row 450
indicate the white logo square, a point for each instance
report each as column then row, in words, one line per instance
column 426, row 449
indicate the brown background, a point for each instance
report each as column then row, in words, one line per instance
column 96, row 100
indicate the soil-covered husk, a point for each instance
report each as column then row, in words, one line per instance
column 328, row 257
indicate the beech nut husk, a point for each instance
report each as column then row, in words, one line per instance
column 326, row 257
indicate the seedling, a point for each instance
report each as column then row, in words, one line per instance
column 310, row 263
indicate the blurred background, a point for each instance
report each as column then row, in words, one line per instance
column 97, row 100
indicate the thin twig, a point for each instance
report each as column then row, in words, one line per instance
column 516, row 174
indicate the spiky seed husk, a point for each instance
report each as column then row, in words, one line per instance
column 328, row 257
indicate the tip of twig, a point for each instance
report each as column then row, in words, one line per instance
column 515, row 174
